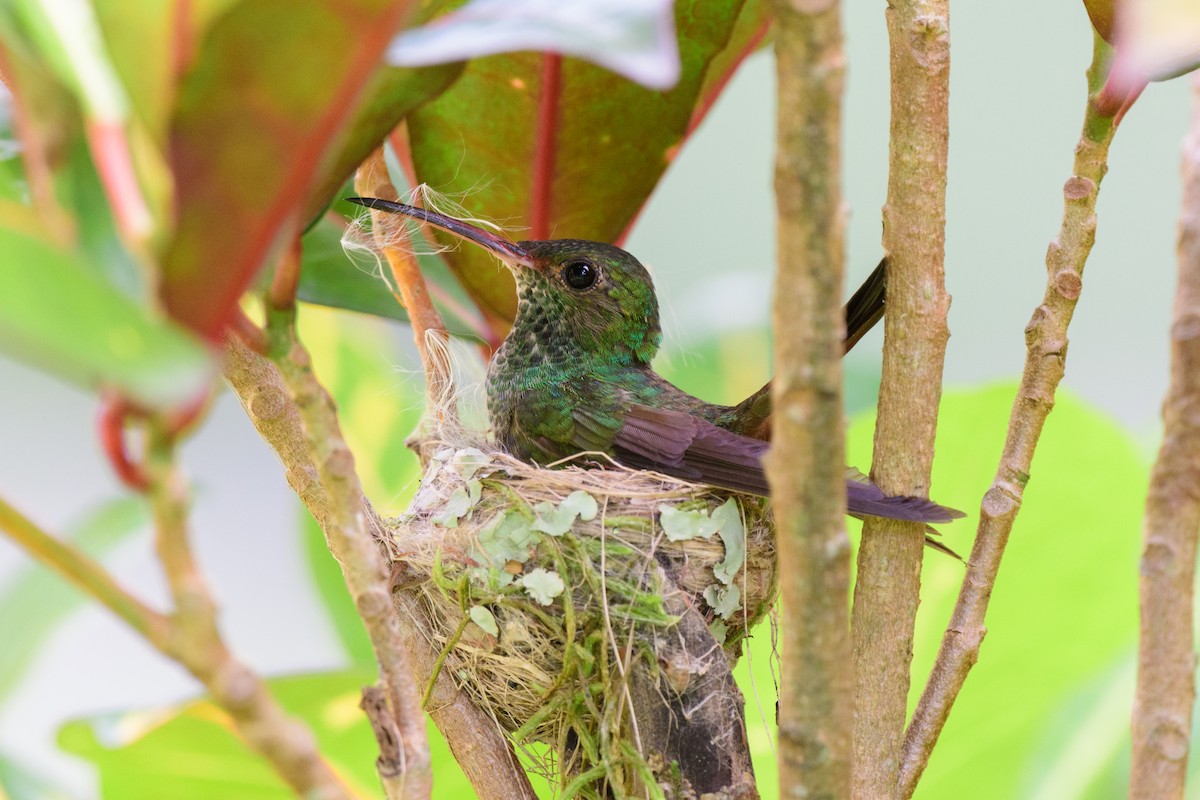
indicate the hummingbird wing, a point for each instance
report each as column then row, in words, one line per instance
column 681, row 444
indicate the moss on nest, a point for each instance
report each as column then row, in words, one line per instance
column 548, row 587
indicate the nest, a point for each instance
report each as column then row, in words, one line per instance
column 548, row 589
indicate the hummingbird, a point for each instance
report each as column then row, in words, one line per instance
column 573, row 375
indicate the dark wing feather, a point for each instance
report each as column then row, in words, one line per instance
column 865, row 306
column 679, row 444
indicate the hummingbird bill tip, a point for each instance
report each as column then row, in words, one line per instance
column 506, row 250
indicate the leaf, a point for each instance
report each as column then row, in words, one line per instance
column 388, row 97
column 723, row 600
column 484, row 619
column 1070, row 564
column 590, row 173
column 55, row 312
column 507, row 538
column 733, row 534
column 331, row 277
column 543, row 586
column 459, row 504
column 1156, row 39
column 192, row 753
column 468, row 461
column 557, row 520
column 683, row 525
column 258, row 122
column 634, row 38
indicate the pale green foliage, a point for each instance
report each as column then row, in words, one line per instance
column 543, row 585
column 557, row 520
column 484, row 619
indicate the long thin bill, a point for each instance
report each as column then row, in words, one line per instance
column 508, row 251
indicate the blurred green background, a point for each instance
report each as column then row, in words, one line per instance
column 1044, row 714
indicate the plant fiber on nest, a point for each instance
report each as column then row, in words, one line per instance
column 548, row 588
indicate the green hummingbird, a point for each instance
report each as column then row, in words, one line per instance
column 573, row 375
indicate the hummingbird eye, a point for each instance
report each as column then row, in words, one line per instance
column 580, row 275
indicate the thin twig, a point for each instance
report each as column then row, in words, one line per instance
column 89, row 576
column 804, row 464
column 351, row 540
column 195, row 641
column 887, row 590
column 1166, row 689
column 1046, row 344
column 286, row 280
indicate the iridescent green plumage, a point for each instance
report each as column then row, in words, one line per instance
column 573, row 376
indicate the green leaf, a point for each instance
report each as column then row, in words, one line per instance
column 192, row 753
column 1070, row 565
column 683, row 525
column 733, row 535
column 723, row 600
column 613, row 140
column 329, row 276
column 557, row 520
column 484, row 619
column 56, row 313
column 35, row 600
column 507, row 538
column 259, row 125
column 459, row 504
column 542, row 585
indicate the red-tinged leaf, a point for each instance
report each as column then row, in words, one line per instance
column 274, row 86
column 330, row 277
column 602, row 145
column 391, row 94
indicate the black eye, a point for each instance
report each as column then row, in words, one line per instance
column 580, row 274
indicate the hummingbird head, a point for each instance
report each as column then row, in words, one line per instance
column 593, row 295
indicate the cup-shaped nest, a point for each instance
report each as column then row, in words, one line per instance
column 547, row 588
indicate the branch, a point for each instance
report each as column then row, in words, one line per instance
column 1166, row 691
column 1046, row 345
column 472, row 737
column 190, row 635
column 87, row 575
column 350, row 538
column 804, row 465
column 196, row 643
column 887, row 590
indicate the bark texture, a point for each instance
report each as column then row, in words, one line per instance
column 1166, row 690
column 805, row 463
column 887, row 590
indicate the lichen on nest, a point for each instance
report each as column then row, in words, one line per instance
column 547, row 587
